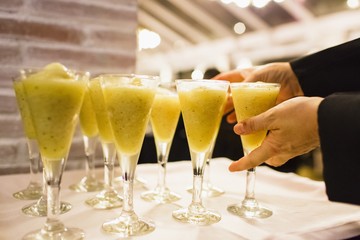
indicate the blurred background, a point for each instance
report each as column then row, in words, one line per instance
column 197, row 38
column 170, row 38
column 190, row 36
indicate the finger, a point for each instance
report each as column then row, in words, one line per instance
column 231, row 118
column 231, row 76
column 253, row 124
column 253, row 159
column 247, row 71
column 251, row 78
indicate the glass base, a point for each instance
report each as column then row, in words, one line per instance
column 208, row 190
column 139, row 182
column 105, row 200
column 32, row 192
column 87, row 185
column 205, row 217
column 249, row 212
column 39, row 208
column 65, row 234
column 127, row 226
column 160, row 196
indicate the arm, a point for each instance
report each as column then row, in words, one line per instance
column 334, row 69
column 339, row 130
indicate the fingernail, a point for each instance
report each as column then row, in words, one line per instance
column 239, row 128
column 232, row 168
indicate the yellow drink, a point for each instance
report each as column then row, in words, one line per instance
column 87, row 117
column 54, row 98
column 24, row 110
column 102, row 119
column 202, row 110
column 129, row 111
column 165, row 115
column 251, row 99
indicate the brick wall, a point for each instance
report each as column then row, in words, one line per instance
column 92, row 35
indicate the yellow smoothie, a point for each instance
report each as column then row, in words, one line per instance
column 165, row 115
column 202, row 110
column 87, row 117
column 54, row 98
column 251, row 99
column 24, row 110
column 102, row 119
column 129, row 111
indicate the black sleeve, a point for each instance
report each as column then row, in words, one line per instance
column 335, row 69
column 339, row 130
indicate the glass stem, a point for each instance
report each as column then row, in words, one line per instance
column 90, row 145
column 250, row 184
column 197, row 185
column 199, row 161
column 44, row 191
column 109, row 162
column 163, row 149
column 35, row 162
column 207, row 183
column 128, row 165
column 53, row 223
column 128, row 207
column 53, row 180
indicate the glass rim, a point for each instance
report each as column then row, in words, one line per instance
column 255, row 84
column 172, row 83
column 22, row 74
column 128, row 75
column 37, row 69
column 201, row 80
column 24, row 71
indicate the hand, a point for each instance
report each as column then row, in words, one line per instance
column 273, row 72
column 293, row 130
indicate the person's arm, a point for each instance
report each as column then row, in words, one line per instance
column 334, row 69
column 339, row 131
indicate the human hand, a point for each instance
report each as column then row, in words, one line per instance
column 274, row 73
column 293, row 130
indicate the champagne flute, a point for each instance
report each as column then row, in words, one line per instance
column 128, row 100
column 38, row 208
column 251, row 99
column 89, row 129
column 202, row 103
column 164, row 117
column 54, row 96
column 34, row 188
column 109, row 197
